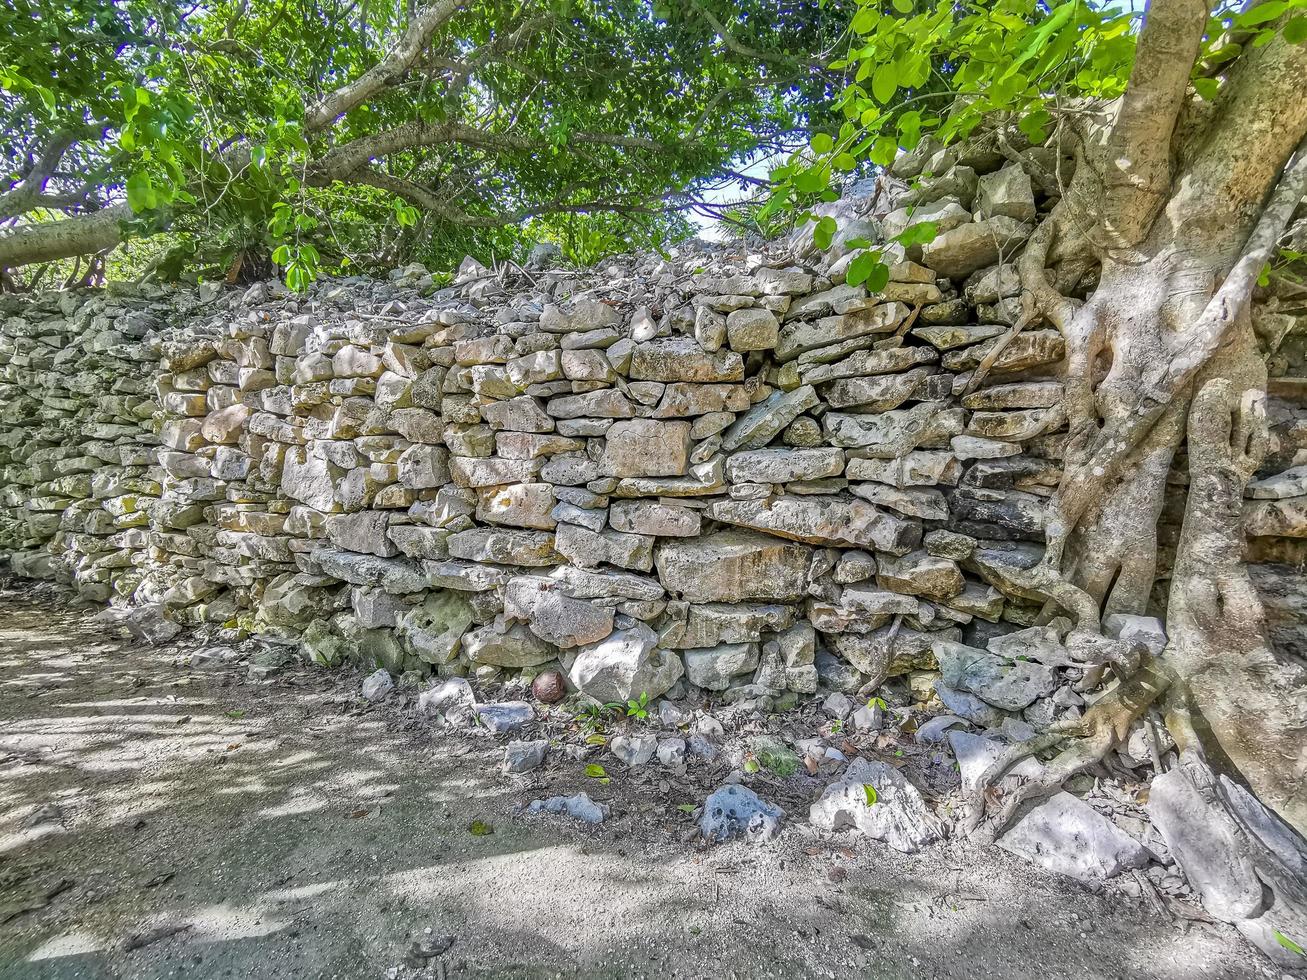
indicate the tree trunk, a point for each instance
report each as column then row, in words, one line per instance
column 1170, row 317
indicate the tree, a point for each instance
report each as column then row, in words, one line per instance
column 366, row 133
column 1187, row 132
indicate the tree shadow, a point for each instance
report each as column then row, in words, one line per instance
column 157, row 821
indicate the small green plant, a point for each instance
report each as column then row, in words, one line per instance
column 479, row 828
column 877, row 702
column 591, row 716
column 837, row 726
column 638, row 707
column 596, row 771
column 237, row 714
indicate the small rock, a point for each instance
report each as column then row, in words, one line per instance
column 671, row 751
column 525, row 756
column 578, row 807
column 505, row 716
column 633, row 750
column 1070, row 837
column 838, row 706
column 891, row 811
column 378, row 685
column 737, row 811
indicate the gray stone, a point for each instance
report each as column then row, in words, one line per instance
column 958, row 253
column 1068, row 836
column 625, row 665
column 714, row 668
column 633, row 750
column 504, row 716
column 784, row 465
column 515, row 647
column 737, row 811
column 893, row 811
column 821, row 520
column 1010, row 686
column 554, row 616
column 733, row 566
column 378, row 685
column 578, row 807
column 646, row 447
column 682, row 359
column 752, row 329
column 520, row 757
column 764, row 421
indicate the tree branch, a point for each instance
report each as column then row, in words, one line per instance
column 44, row 241
column 322, row 114
column 25, row 194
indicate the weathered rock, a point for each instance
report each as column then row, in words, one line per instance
column 1011, row 686
column 892, row 810
column 554, row 616
column 733, row 566
column 1068, row 836
column 645, row 447
column 821, row 520
column 737, row 811
column 625, row 665
column 578, row 807
column 520, row 757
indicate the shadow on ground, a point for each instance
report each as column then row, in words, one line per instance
column 159, row 821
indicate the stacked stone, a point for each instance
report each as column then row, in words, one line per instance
column 730, row 473
column 76, row 382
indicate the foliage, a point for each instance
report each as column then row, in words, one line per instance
column 509, row 122
column 931, row 73
column 638, row 708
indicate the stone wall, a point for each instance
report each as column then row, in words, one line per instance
column 726, row 471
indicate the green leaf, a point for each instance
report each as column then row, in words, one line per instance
column 686, row 807
column 922, row 233
column 1288, row 943
column 824, row 232
column 845, row 162
column 885, row 149
column 141, row 196
column 878, row 279
column 884, row 82
column 1295, row 29
column 872, row 795
column 479, row 828
column 814, row 180
column 595, row 771
column 903, row 6
column 1261, row 14
column 864, row 20
column 861, row 267
column 822, row 143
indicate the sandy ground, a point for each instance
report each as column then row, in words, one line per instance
column 159, row 821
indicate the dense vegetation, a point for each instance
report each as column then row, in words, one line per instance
column 356, row 133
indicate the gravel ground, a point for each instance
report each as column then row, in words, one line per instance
column 159, row 821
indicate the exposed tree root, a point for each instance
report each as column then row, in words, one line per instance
column 1101, row 729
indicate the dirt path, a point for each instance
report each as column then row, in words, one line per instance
column 159, row 821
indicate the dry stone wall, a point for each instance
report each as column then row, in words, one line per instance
column 725, row 473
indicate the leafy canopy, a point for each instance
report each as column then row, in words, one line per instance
column 914, row 71
column 582, row 122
